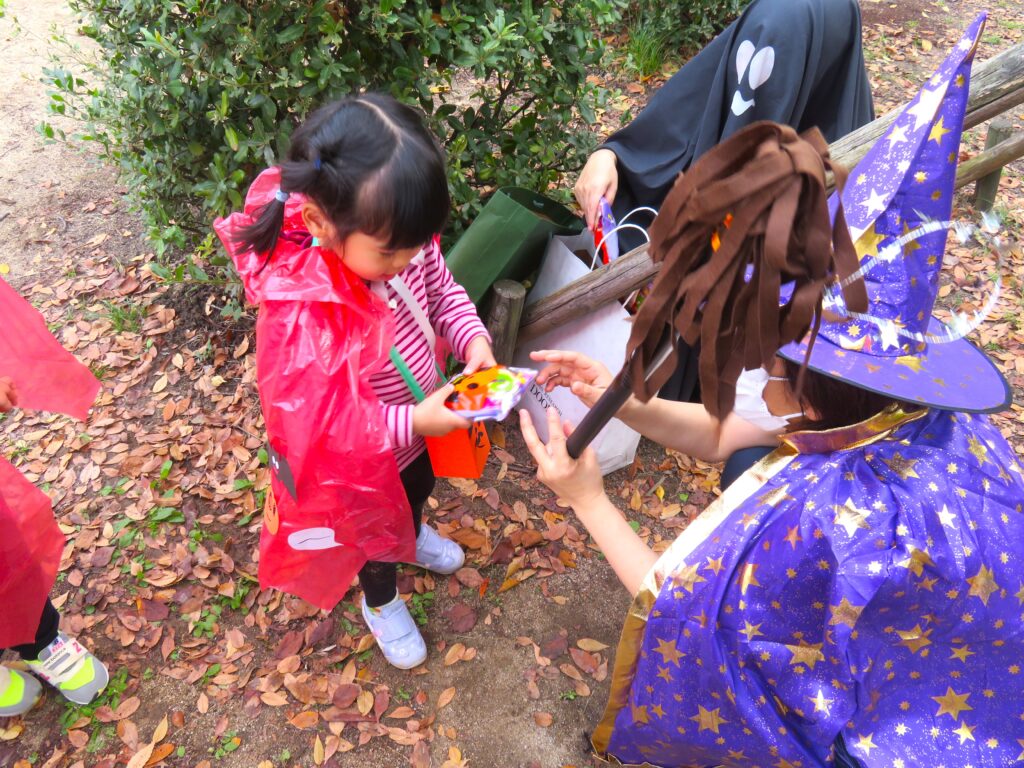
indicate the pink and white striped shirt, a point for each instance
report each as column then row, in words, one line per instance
column 452, row 316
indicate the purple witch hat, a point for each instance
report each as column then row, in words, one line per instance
column 897, row 203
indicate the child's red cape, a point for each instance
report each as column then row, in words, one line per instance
column 47, row 378
column 320, row 335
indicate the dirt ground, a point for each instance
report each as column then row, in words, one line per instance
column 226, row 676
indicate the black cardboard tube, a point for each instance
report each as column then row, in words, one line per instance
column 610, row 402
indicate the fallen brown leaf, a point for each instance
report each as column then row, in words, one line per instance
column 445, row 698
column 306, row 719
column 345, row 695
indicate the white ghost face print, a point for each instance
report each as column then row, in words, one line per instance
column 757, row 66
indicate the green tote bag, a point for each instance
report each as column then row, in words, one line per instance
column 507, row 240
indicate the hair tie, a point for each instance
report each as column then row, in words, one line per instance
column 317, row 165
column 281, row 196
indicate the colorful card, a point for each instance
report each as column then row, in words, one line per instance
column 490, row 393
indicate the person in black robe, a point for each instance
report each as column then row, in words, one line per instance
column 797, row 62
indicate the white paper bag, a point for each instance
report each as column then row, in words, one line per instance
column 601, row 335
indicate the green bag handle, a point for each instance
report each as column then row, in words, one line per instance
column 410, row 380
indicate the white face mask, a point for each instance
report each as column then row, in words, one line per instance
column 750, row 405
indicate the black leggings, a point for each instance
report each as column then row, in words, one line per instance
column 46, row 633
column 380, row 580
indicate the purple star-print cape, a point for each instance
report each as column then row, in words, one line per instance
column 862, row 584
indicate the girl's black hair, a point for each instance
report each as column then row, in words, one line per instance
column 370, row 163
column 837, row 403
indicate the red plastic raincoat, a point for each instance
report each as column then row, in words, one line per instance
column 47, row 378
column 320, row 334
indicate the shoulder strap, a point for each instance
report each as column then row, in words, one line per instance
column 405, row 294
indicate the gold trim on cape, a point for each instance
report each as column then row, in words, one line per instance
column 871, row 430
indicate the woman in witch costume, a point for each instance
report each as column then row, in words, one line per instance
column 855, row 597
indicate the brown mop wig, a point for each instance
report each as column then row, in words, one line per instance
column 772, row 184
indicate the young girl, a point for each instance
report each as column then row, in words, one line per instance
column 366, row 179
column 37, row 374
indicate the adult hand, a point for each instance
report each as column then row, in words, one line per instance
column 479, row 355
column 577, row 481
column 432, row 419
column 599, row 178
column 587, row 378
column 8, row 394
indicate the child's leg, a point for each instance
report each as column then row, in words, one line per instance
column 380, row 580
column 62, row 661
column 49, row 624
column 383, row 610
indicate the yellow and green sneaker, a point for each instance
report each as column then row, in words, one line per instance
column 71, row 669
column 18, row 692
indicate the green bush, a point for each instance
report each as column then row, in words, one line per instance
column 685, row 24
column 192, row 98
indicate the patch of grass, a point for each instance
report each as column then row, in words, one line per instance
column 646, row 48
column 99, row 739
column 206, row 624
column 120, row 488
column 123, row 317
column 419, row 605
column 158, row 515
column 211, row 672
column 99, row 370
column 197, row 536
column 110, row 697
column 234, row 602
column 229, row 742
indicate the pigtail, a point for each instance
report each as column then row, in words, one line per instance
column 261, row 236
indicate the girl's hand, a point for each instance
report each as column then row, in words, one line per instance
column 587, row 378
column 479, row 355
column 577, row 481
column 599, row 178
column 8, row 394
column 432, row 419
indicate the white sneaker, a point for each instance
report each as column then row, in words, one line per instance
column 396, row 632
column 71, row 669
column 436, row 553
column 18, row 692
